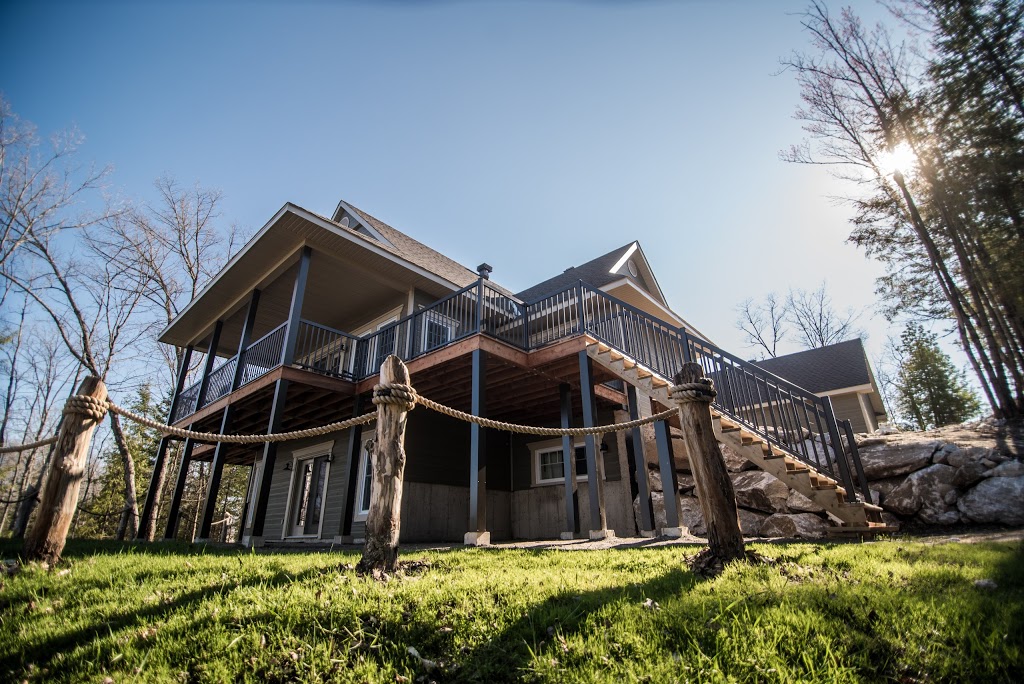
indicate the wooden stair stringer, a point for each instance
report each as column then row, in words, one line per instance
column 796, row 475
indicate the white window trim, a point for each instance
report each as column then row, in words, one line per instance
column 373, row 326
column 304, row 454
column 359, row 515
column 537, row 448
column 440, row 319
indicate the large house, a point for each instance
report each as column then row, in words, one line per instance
column 292, row 332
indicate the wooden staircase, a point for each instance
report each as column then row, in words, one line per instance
column 854, row 517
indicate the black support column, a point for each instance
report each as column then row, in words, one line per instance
column 638, row 465
column 155, row 484
column 572, row 498
column 217, row 466
column 186, row 452
column 595, row 485
column 478, row 534
column 277, row 407
column 669, row 482
column 355, row 441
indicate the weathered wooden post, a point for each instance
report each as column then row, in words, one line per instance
column 693, row 395
column 45, row 540
column 383, row 522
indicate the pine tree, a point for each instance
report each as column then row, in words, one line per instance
column 930, row 391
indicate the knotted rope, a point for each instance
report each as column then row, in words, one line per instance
column 395, row 394
column 391, row 394
column 702, row 391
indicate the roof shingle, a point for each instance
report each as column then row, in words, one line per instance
column 836, row 366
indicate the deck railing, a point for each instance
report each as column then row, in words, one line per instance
column 219, row 382
column 778, row 411
column 264, row 354
column 324, row 350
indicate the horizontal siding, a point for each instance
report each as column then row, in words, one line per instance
column 281, row 483
column 847, row 407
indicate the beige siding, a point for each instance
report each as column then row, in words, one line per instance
column 847, row 407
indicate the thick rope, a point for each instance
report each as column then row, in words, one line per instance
column 408, row 392
column 701, row 391
column 212, row 437
column 390, row 394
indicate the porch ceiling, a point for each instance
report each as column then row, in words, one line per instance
column 343, row 263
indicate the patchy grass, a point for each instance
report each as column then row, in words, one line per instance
column 897, row 611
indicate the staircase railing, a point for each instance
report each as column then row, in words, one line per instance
column 781, row 413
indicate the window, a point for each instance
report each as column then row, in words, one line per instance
column 550, row 464
column 308, row 491
column 362, row 503
column 438, row 330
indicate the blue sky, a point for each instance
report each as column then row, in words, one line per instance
column 531, row 135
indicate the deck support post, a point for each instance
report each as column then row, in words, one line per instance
column 267, row 467
column 217, row 465
column 638, row 466
column 669, row 481
column 352, row 491
column 595, row 485
column 147, row 521
column 174, row 512
column 478, row 534
column 171, row 531
column 572, row 499
column 295, row 308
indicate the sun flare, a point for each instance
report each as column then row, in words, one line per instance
column 900, row 158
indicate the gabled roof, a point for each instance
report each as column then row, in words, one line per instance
column 825, row 369
column 598, row 273
column 412, row 250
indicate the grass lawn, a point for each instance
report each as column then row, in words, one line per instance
column 886, row 611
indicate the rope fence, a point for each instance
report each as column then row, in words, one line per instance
column 394, row 394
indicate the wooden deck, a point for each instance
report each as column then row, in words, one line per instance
column 521, row 387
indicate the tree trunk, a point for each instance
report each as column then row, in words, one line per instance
column 714, row 488
column 45, row 541
column 129, row 523
column 383, row 522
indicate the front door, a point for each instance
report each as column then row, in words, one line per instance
column 308, row 496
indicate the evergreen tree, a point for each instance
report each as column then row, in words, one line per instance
column 930, row 391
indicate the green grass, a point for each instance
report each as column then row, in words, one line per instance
column 896, row 611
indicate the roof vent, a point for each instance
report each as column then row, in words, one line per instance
column 484, row 270
column 345, row 221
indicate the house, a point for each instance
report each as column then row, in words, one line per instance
column 841, row 372
column 291, row 334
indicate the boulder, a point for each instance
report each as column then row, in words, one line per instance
column 798, row 503
column 734, row 462
column 942, row 454
column 890, row 460
column 692, row 516
column 967, row 474
column 803, row 525
column 882, row 488
column 654, row 478
column 1007, row 469
column 751, row 522
column 962, row 457
column 995, row 499
column 924, row 494
column 760, row 491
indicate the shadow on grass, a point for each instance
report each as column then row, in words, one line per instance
column 41, row 653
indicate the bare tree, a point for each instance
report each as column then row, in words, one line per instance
column 764, row 323
column 38, row 186
column 816, row 320
column 171, row 249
